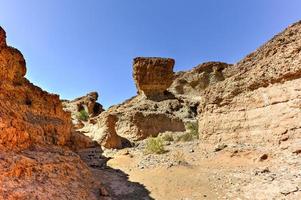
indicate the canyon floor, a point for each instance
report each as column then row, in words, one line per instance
column 189, row 171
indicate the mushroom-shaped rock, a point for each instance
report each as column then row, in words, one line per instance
column 153, row 75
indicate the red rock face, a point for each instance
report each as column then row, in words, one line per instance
column 33, row 129
column 2, row 37
column 153, row 75
column 29, row 115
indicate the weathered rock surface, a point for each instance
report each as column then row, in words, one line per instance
column 152, row 111
column 104, row 132
column 28, row 114
column 259, row 100
column 255, row 110
column 190, row 84
column 153, row 75
column 34, row 131
column 46, row 173
column 88, row 103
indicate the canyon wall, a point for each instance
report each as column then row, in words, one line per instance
column 35, row 162
column 29, row 115
column 259, row 101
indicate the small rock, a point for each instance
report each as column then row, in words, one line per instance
column 263, row 157
column 297, row 151
column 103, row 192
column 219, row 147
column 262, row 171
column 288, row 189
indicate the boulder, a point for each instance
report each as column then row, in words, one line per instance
column 153, row 75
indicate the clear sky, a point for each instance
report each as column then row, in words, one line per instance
column 76, row 46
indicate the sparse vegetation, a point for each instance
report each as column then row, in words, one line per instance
column 83, row 115
column 179, row 158
column 191, row 132
column 167, row 137
column 154, row 146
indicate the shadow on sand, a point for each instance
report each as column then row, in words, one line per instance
column 115, row 181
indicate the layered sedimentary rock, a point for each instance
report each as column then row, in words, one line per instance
column 153, row 75
column 254, row 113
column 258, row 103
column 34, row 129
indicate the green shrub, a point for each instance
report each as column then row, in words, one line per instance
column 167, row 137
column 83, row 115
column 191, row 132
column 185, row 137
column 193, row 129
column 154, row 146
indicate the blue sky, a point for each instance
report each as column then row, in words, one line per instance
column 73, row 47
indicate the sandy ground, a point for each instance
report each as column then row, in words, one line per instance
column 191, row 171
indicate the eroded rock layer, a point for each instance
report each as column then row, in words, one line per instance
column 34, row 130
column 28, row 114
column 259, row 100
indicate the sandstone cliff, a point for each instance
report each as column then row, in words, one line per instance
column 255, row 113
column 259, row 100
column 34, row 160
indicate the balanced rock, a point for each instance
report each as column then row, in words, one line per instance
column 153, row 75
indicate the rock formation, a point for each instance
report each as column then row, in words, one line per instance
column 259, row 99
column 34, row 160
column 255, row 111
column 153, row 75
column 28, row 114
column 190, row 84
column 248, row 115
column 152, row 111
column 2, row 37
column 88, row 103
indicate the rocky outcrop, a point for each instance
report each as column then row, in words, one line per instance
column 28, row 114
column 2, row 37
column 35, row 162
column 259, row 100
column 103, row 131
column 46, row 173
column 152, row 111
column 153, row 75
column 88, row 103
column 190, row 84
column 255, row 113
